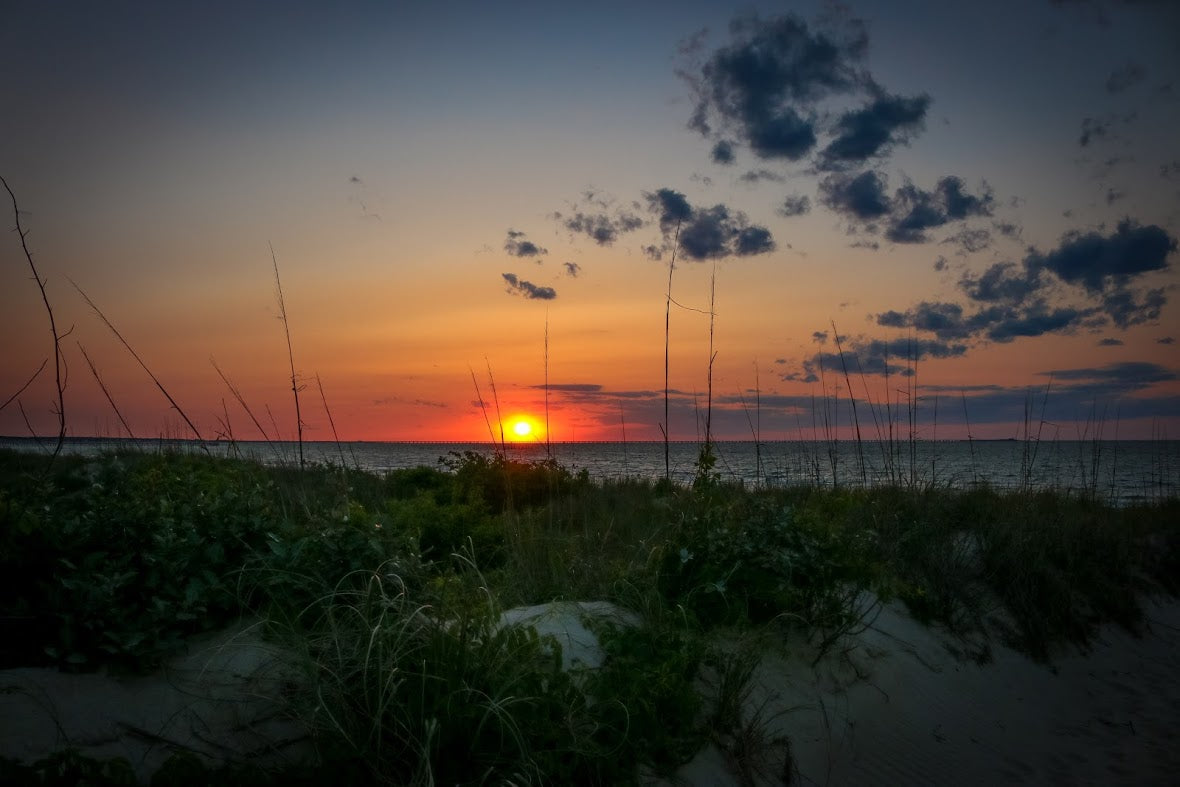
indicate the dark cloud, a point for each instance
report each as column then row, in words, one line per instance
column 1125, row 77
column 753, row 240
column 1008, row 229
column 1165, row 340
column 875, row 357
column 945, row 320
column 1108, row 342
column 795, row 205
column 570, row 387
column 1002, row 282
column 527, row 289
column 603, row 228
column 861, row 197
column 1036, row 320
column 355, row 179
column 517, row 246
column 572, row 269
column 1129, row 374
column 940, row 264
column 915, row 211
column 759, row 175
column 670, row 206
column 714, row 233
column 1171, row 170
column 971, row 241
column 707, row 233
column 1099, row 262
column 875, row 128
column 1104, row 127
column 723, row 152
column 1113, row 195
column 765, row 85
column 1016, row 300
column 1126, row 308
column 1093, row 129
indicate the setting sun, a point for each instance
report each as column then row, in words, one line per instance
column 523, row 428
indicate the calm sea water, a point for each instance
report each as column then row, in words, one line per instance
column 1121, row 471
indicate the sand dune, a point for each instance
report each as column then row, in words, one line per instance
column 895, row 707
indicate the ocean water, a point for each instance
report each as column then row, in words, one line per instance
column 1119, row 471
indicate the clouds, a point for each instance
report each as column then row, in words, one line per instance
column 671, row 208
column 870, row 131
column 866, row 356
column 859, row 197
column 765, row 90
column 1100, row 262
column 527, row 289
column 706, row 233
column 795, row 205
column 910, row 213
column 1125, row 77
column 1088, row 281
column 517, row 246
column 603, row 228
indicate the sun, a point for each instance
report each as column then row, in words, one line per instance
column 523, row 428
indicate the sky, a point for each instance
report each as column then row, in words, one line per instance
column 962, row 217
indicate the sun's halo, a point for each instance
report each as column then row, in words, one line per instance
column 522, row 428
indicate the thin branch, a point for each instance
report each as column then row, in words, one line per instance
column 665, row 428
column 241, row 400
column 496, row 399
column 28, row 382
column 331, row 422
column 142, row 365
column 482, row 406
column 105, row 391
column 290, row 355
column 58, row 359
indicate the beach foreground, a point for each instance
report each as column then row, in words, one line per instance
column 891, row 705
column 895, row 706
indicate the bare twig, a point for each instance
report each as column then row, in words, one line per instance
column 290, row 355
column 496, row 399
column 548, row 444
column 851, row 398
column 331, row 422
column 105, row 391
column 21, row 406
column 142, row 365
column 28, row 382
column 59, row 362
column 482, row 406
column 665, row 427
column 233, row 389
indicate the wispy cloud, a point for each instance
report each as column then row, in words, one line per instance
column 517, row 246
column 518, row 286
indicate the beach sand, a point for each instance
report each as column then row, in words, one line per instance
column 893, row 706
column 890, row 705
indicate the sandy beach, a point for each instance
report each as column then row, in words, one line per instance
column 893, row 706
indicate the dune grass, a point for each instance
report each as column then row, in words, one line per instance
column 387, row 591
